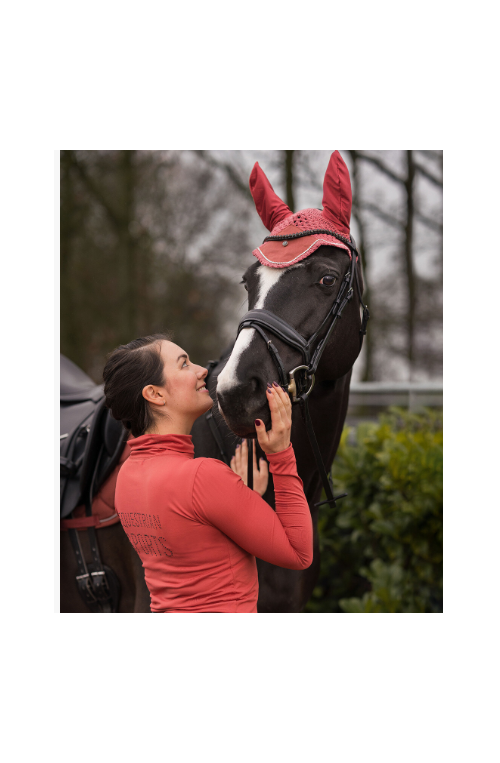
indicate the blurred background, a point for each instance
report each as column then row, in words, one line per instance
column 158, row 241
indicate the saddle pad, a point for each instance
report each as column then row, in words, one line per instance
column 75, row 385
column 103, row 505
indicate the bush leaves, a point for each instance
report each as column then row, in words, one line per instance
column 381, row 548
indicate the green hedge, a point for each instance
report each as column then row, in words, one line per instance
column 381, row 548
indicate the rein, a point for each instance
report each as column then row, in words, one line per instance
column 300, row 381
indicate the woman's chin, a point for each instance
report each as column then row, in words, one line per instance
column 208, row 402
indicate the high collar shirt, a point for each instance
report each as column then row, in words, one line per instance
column 198, row 529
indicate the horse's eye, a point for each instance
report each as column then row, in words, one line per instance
column 328, row 280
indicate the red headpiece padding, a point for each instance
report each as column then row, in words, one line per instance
column 337, row 194
column 269, row 206
column 278, row 218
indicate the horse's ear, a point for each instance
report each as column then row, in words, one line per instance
column 269, row 206
column 337, row 193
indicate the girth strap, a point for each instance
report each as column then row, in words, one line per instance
column 98, row 585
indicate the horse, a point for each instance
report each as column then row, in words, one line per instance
column 304, row 288
column 292, row 295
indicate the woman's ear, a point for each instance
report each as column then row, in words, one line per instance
column 153, row 395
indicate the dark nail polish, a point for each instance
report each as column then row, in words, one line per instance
column 275, row 384
column 258, row 422
column 269, row 385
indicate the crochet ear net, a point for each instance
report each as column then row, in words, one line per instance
column 269, row 206
column 337, row 196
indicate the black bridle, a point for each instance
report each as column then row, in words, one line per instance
column 301, row 379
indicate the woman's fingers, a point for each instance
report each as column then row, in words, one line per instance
column 286, row 409
column 239, row 461
column 262, row 434
column 276, row 407
column 239, row 465
column 280, row 399
column 261, row 478
column 278, row 437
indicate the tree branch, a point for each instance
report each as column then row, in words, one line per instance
column 435, row 156
column 433, row 224
column 380, row 165
column 389, row 219
column 428, row 175
column 228, row 169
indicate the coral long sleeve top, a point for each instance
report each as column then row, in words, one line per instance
column 197, row 528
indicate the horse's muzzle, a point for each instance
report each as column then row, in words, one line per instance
column 240, row 409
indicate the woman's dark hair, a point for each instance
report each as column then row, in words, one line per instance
column 129, row 369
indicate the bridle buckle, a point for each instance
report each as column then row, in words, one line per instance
column 292, row 385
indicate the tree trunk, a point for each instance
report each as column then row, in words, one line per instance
column 289, row 179
column 408, row 259
column 70, row 336
column 127, row 245
column 367, row 373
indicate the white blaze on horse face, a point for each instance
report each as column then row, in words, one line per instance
column 228, row 378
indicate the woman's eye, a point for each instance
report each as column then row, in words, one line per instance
column 328, row 280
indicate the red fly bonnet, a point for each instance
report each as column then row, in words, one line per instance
column 280, row 221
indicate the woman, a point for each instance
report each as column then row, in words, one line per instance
column 195, row 525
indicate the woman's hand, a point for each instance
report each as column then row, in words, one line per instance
column 278, row 437
column 239, row 465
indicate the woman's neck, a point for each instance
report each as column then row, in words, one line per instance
column 170, row 427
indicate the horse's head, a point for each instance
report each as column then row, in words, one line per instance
column 299, row 277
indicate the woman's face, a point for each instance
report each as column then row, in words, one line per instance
column 185, row 391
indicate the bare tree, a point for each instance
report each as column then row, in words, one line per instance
column 288, row 165
column 408, row 258
column 367, row 373
column 150, row 241
column 405, row 224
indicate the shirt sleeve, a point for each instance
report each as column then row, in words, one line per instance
column 284, row 537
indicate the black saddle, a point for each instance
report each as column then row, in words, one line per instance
column 92, row 441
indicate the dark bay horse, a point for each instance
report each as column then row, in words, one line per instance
column 241, row 379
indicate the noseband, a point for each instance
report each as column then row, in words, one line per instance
column 301, row 379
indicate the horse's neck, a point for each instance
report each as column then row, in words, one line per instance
column 328, row 409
